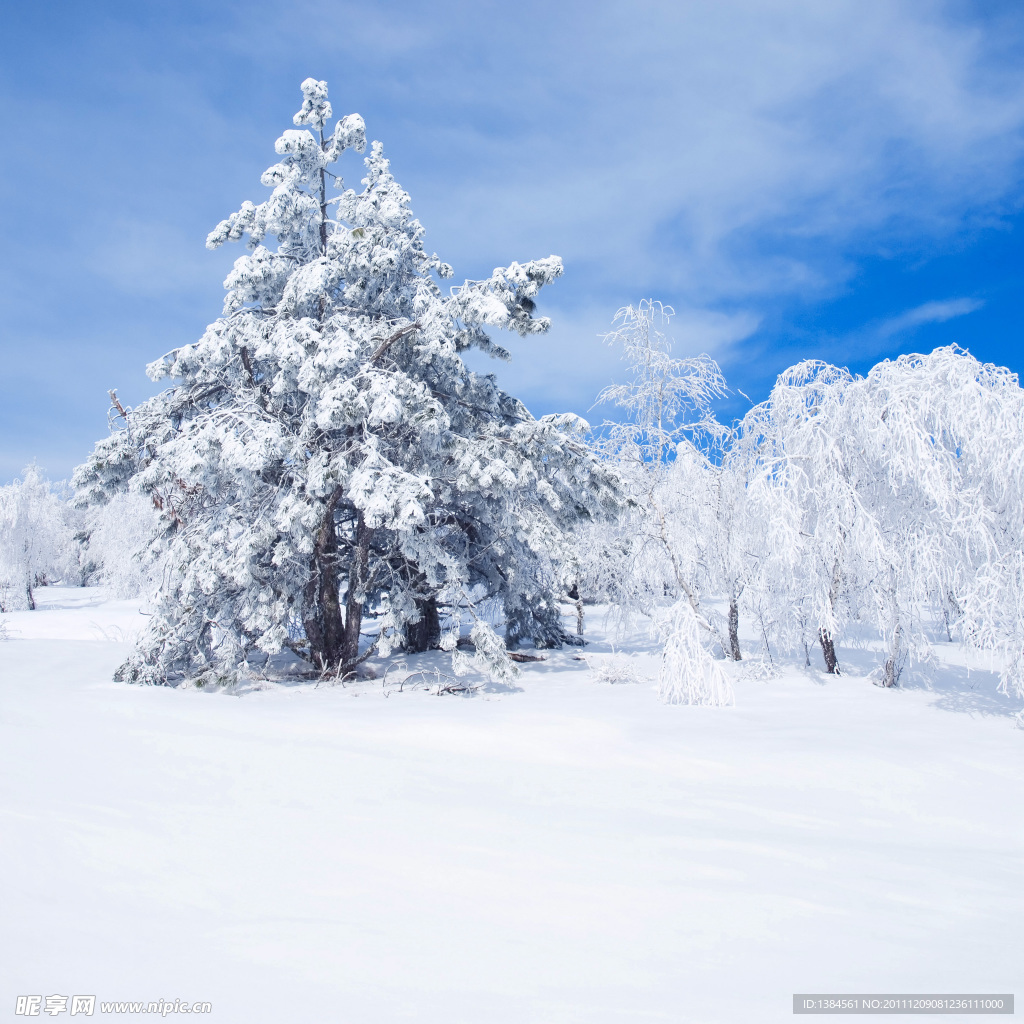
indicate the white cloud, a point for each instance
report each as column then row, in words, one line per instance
column 928, row 313
column 703, row 330
column 717, row 151
column 717, row 155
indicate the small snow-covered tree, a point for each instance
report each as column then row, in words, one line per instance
column 746, row 537
column 689, row 674
column 323, row 447
column 660, row 550
column 765, row 552
column 120, row 538
column 36, row 539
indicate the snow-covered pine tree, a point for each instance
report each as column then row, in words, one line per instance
column 323, row 446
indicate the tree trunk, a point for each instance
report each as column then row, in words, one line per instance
column 828, row 649
column 356, row 597
column 734, row 630
column 31, row 597
column 893, row 666
column 890, row 675
column 577, row 599
column 325, row 630
column 425, row 634
column 951, row 612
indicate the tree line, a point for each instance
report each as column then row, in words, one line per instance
column 323, row 456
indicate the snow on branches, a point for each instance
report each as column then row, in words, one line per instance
column 37, row 539
column 663, row 544
column 907, row 493
column 323, row 452
column 322, row 455
column 891, row 501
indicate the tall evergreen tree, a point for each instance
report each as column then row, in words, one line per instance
column 323, row 446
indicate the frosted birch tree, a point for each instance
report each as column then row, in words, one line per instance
column 952, row 430
column 805, row 451
column 118, row 536
column 36, row 539
column 661, row 545
column 902, row 483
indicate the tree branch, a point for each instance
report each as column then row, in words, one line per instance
column 388, row 342
column 121, row 411
column 247, row 363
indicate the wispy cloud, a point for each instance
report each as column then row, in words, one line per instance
column 710, row 152
column 928, row 313
column 875, row 337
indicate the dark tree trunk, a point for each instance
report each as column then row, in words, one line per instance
column 828, row 649
column 577, row 599
column 325, row 630
column 356, row 597
column 734, row 630
column 31, row 597
column 425, row 634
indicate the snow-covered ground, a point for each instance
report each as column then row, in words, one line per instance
column 565, row 851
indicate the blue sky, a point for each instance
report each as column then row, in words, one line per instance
column 797, row 179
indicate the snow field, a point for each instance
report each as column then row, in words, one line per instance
column 567, row 851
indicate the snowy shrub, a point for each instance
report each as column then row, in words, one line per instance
column 490, row 656
column 323, row 452
column 689, row 674
column 760, row 670
column 614, row 668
